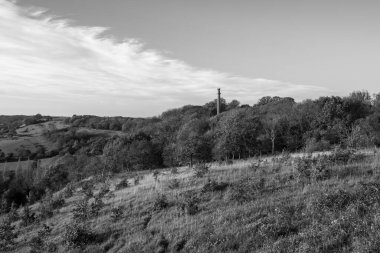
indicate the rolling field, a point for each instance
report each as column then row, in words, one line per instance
column 31, row 137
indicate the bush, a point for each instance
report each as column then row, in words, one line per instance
column 245, row 190
column 104, row 190
column 146, row 221
column 213, row 186
column 201, row 170
column 160, row 203
column 69, row 190
column 174, row 170
column 156, row 173
column 336, row 201
column 27, row 217
column 162, row 244
column 13, row 214
column 312, row 145
column 303, row 169
column 76, row 235
column 341, row 156
column 57, row 202
column 88, row 188
column 189, row 204
column 281, row 223
column 7, row 235
column 49, row 204
column 45, row 211
column 180, row 245
column 320, row 170
column 116, row 213
column 96, row 205
column 122, row 184
column 136, row 180
column 82, row 211
column 173, row 184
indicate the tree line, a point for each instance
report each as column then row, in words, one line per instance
column 192, row 134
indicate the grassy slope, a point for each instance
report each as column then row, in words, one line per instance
column 30, row 137
column 264, row 209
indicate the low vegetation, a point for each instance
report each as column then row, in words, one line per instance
column 306, row 204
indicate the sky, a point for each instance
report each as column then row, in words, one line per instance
column 141, row 57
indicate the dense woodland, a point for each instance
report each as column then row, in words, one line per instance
column 194, row 134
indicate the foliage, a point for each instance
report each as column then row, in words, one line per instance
column 27, row 217
column 7, row 235
column 96, row 205
column 173, row 184
column 160, row 203
column 156, row 173
column 116, row 213
column 200, row 170
column 189, row 203
column 213, row 186
column 122, row 184
column 77, row 235
column 82, row 211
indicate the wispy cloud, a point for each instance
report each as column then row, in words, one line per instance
column 48, row 65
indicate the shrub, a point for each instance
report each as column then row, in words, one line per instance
column 122, row 184
column 189, row 204
column 104, row 190
column 57, row 202
column 341, row 156
column 245, row 190
column 27, row 216
column 7, row 235
column 45, row 210
column 51, row 247
column 69, row 190
column 82, row 211
column 49, row 204
column 146, row 221
column 201, row 170
column 281, row 223
column 13, row 214
column 162, row 244
column 239, row 193
column 174, row 170
column 312, row 145
column 160, row 203
column 303, row 169
column 88, row 188
column 179, row 245
column 96, row 205
column 156, row 173
column 117, row 213
column 335, row 201
column 76, row 235
column 136, row 180
column 213, row 186
column 320, row 170
column 173, row 184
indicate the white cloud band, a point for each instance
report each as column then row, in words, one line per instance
column 52, row 67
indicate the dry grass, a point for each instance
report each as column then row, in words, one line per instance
column 263, row 209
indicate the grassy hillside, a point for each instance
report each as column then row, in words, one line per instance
column 31, row 138
column 322, row 204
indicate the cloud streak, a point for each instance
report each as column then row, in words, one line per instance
column 49, row 66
